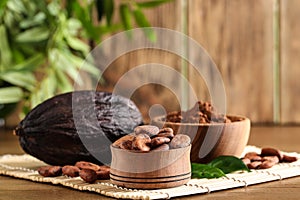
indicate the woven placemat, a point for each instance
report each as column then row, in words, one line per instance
column 25, row 167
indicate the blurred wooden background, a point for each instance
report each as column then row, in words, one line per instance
column 255, row 45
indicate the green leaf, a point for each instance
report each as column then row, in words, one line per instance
column 229, row 164
column 205, row 171
column 25, row 79
column 36, row 34
column 5, row 51
column 125, row 16
column 78, row 45
column 31, row 63
column 150, row 4
column 63, row 82
column 109, row 10
column 38, row 19
column 10, row 94
column 142, row 21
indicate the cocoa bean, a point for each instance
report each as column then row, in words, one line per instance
column 180, row 141
column 254, row 165
column 163, row 147
column 251, row 155
column 141, row 142
column 102, row 175
column 267, row 164
column 88, row 175
column 246, row 161
column 166, row 132
column 70, row 170
column 289, row 159
column 273, row 159
column 50, row 171
column 157, row 141
column 127, row 144
column 87, row 165
column 118, row 143
column 271, row 152
column 146, row 129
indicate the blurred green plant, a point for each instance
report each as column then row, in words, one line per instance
column 43, row 43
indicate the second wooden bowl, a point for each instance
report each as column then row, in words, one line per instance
column 212, row 140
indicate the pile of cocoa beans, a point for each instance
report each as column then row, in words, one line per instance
column 201, row 112
column 88, row 171
column 150, row 138
column 266, row 159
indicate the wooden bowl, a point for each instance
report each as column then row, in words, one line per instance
column 151, row 170
column 214, row 139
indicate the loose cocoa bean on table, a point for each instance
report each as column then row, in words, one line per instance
column 88, row 171
column 50, row 171
column 267, row 158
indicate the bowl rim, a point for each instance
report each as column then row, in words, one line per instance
column 243, row 120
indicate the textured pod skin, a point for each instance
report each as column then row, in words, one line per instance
column 57, row 130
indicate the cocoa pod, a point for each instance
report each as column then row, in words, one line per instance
column 50, row 171
column 88, row 175
column 70, row 170
column 87, row 165
column 271, row 152
column 180, row 141
column 49, row 132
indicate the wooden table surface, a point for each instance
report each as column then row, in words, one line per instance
column 286, row 138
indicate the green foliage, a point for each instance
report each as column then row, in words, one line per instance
column 218, row 167
column 43, row 44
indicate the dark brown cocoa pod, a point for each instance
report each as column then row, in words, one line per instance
column 88, row 175
column 49, row 132
column 289, row 159
column 157, row 141
column 69, row 170
column 50, row 171
column 87, row 165
column 271, row 152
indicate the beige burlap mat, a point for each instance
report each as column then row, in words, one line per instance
column 24, row 166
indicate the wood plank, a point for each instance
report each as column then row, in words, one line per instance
column 238, row 36
column 290, row 70
column 147, row 95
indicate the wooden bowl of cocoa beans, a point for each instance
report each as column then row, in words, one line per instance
column 151, row 158
column 212, row 134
